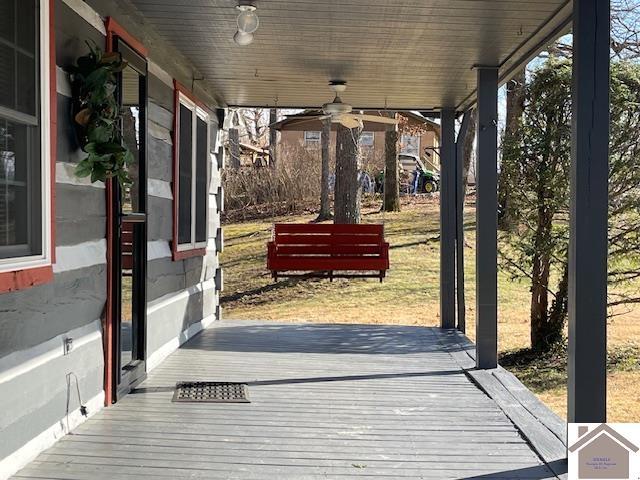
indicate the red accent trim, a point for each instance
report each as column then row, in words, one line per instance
column 31, row 277
column 189, row 94
column 114, row 29
column 194, row 252
column 107, row 326
column 180, row 89
column 21, row 279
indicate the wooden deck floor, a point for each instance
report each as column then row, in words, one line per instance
column 327, row 401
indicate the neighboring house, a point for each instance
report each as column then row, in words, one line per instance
column 95, row 292
column 296, row 132
column 602, row 453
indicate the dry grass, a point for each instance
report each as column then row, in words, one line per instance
column 409, row 295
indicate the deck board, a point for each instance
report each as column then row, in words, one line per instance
column 327, row 401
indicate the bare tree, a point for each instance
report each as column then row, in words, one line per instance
column 468, row 148
column 234, row 147
column 255, row 122
column 273, row 137
column 325, row 206
column 625, row 29
column 347, row 189
column 391, row 175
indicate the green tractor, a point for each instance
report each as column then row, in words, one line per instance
column 429, row 181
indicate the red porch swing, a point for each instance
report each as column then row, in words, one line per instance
column 324, row 249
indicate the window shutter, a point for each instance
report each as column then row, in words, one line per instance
column 202, row 180
column 185, row 175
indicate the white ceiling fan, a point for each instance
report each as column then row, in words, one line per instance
column 340, row 112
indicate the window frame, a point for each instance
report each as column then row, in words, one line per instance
column 312, row 142
column 183, row 97
column 373, row 138
column 17, row 273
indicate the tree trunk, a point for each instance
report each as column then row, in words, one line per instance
column 347, row 189
column 515, row 110
column 391, row 175
column 325, row 206
column 542, row 335
column 273, row 137
column 559, row 307
column 234, row 147
column 468, row 149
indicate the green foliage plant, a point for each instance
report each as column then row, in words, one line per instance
column 97, row 116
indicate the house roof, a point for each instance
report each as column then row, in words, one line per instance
column 601, row 430
column 410, row 55
column 305, row 121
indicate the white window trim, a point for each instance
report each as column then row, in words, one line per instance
column 312, row 141
column 44, row 259
column 373, row 139
column 196, row 113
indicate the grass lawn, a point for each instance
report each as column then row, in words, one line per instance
column 410, row 296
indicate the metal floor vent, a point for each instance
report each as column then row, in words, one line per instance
column 211, row 392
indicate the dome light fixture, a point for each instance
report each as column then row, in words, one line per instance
column 248, row 21
column 243, row 38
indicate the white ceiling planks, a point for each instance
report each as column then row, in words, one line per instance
column 416, row 54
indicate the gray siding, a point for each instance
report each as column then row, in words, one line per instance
column 160, row 225
column 34, row 387
column 35, row 315
column 34, row 321
column 75, row 298
column 80, row 214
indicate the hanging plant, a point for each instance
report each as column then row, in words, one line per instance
column 97, row 116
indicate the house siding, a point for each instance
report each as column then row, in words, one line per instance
column 34, row 372
column 37, row 378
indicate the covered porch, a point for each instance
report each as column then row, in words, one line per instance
column 332, row 401
column 327, row 401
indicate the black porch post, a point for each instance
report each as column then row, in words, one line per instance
column 487, row 220
column 588, row 224
column 447, row 220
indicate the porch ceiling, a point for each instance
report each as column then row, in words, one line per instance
column 414, row 54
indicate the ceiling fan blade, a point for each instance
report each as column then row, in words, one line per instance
column 348, row 120
column 376, row 119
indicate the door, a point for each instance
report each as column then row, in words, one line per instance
column 130, row 231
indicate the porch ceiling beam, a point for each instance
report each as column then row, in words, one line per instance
column 588, row 218
column 447, row 220
column 486, row 219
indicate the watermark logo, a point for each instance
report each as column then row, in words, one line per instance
column 604, row 450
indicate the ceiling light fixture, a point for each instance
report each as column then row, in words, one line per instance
column 248, row 22
column 242, row 38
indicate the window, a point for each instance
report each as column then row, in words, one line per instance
column 312, row 138
column 410, row 145
column 25, row 156
column 191, row 177
column 366, row 139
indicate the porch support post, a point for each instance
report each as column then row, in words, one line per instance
column 587, row 302
column 460, row 184
column 487, row 220
column 448, row 220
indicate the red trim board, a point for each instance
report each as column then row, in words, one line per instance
column 181, row 89
column 114, row 29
